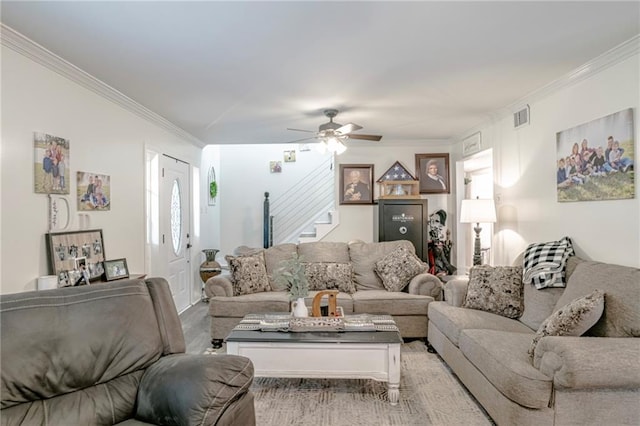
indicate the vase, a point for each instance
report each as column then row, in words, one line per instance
column 209, row 268
column 299, row 308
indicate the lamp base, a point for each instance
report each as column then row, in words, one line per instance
column 477, row 257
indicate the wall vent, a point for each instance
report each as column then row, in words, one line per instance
column 521, row 117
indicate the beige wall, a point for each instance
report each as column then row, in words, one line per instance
column 105, row 138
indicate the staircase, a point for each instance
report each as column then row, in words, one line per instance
column 306, row 211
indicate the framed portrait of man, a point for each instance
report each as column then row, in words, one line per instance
column 356, row 184
column 432, row 171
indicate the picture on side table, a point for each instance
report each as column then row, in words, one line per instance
column 595, row 160
column 116, row 269
column 432, row 171
column 356, row 183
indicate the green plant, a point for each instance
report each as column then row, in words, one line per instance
column 290, row 276
column 213, row 189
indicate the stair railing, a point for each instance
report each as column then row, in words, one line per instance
column 299, row 206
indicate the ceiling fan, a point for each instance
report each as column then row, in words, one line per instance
column 332, row 135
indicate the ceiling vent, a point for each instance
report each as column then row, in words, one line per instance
column 521, row 117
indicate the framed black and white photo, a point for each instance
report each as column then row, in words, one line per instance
column 432, row 171
column 116, row 269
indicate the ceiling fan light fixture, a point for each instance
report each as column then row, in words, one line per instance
column 340, row 148
column 321, row 147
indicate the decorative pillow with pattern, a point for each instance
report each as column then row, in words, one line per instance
column 496, row 289
column 573, row 319
column 544, row 264
column 330, row 276
column 248, row 274
column 398, row 268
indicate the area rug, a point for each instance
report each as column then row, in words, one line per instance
column 430, row 394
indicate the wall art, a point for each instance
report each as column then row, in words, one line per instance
column 289, row 156
column 472, row 144
column 212, row 188
column 94, row 192
column 356, row 183
column 595, row 160
column 275, row 166
column 432, row 171
column 51, row 171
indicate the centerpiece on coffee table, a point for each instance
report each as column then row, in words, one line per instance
column 290, row 276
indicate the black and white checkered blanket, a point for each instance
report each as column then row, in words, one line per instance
column 544, row 263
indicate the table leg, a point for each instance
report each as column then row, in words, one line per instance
column 394, row 374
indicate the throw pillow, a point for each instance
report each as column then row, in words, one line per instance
column 248, row 274
column 398, row 268
column 573, row 319
column 496, row 289
column 544, row 263
column 330, row 276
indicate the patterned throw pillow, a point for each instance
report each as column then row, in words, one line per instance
column 573, row 319
column 496, row 289
column 248, row 274
column 330, row 276
column 544, row 263
column 398, row 268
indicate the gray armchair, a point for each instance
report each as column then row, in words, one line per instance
column 112, row 354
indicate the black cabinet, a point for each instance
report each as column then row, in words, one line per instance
column 404, row 220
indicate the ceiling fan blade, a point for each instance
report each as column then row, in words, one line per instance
column 348, row 128
column 365, row 137
column 300, row 130
column 300, row 140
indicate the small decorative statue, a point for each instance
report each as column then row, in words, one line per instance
column 440, row 245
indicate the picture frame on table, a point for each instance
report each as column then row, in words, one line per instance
column 432, row 172
column 116, row 269
column 356, row 183
column 72, row 250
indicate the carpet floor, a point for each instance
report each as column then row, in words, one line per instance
column 430, row 394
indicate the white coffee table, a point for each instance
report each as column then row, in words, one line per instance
column 344, row 355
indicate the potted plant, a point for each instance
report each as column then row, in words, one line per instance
column 290, row 276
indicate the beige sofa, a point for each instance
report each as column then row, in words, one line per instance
column 593, row 379
column 112, row 353
column 408, row 307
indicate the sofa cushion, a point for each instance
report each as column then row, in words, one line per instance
column 451, row 320
column 364, row 256
column 573, row 319
column 398, row 268
column 496, row 289
column 276, row 254
column 248, row 274
column 392, row 303
column 502, row 358
column 330, row 276
column 539, row 304
column 544, row 263
column 323, row 251
column 621, row 285
column 239, row 306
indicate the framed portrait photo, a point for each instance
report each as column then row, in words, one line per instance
column 356, row 183
column 432, row 172
column 116, row 269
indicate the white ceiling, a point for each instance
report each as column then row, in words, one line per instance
column 242, row 72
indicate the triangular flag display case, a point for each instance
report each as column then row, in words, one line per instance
column 398, row 183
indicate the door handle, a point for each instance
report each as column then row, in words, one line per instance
column 188, row 245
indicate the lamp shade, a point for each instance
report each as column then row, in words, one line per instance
column 478, row 211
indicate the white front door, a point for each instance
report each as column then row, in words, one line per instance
column 175, row 227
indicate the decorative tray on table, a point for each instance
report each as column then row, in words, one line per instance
column 285, row 322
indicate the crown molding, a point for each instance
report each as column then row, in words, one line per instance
column 37, row 53
column 612, row 57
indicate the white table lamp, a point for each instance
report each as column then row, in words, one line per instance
column 477, row 211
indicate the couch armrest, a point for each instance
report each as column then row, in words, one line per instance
column 426, row 285
column 220, row 285
column 455, row 290
column 192, row 389
column 589, row 362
